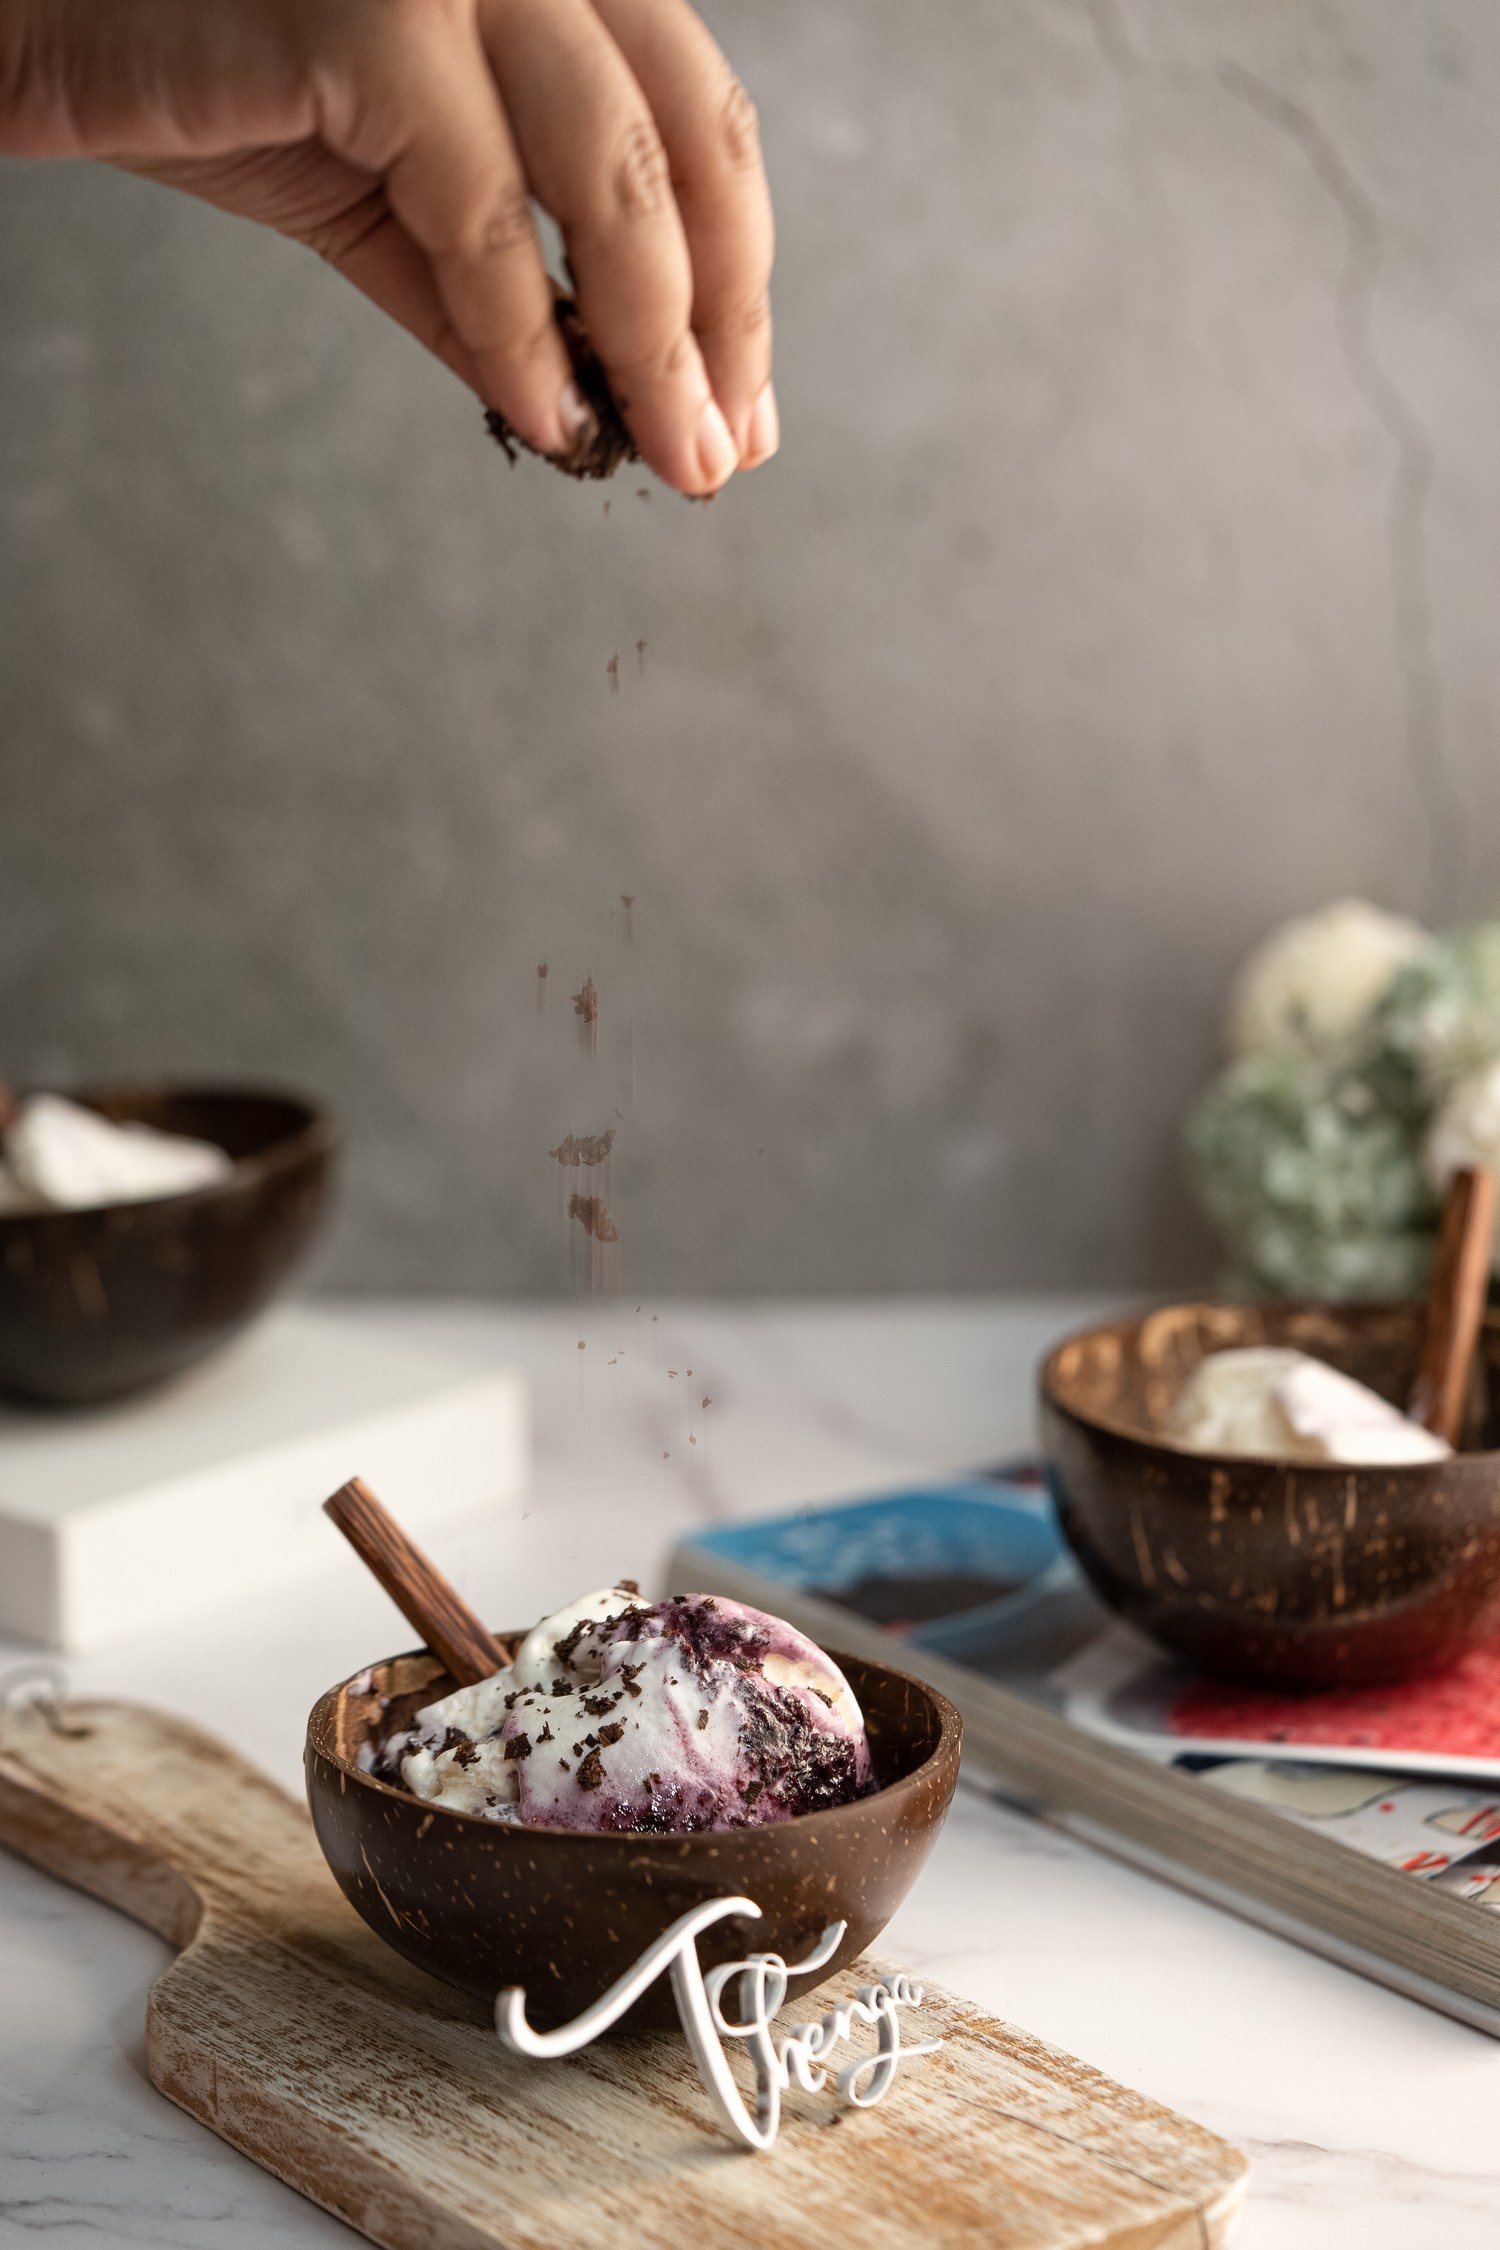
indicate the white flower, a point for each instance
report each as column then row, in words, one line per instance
column 1315, row 981
column 1466, row 1130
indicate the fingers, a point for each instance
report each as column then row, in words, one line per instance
column 595, row 159
column 319, row 200
column 369, row 246
column 708, row 128
column 459, row 226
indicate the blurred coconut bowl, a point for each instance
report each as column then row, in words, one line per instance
column 565, row 1912
column 96, row 1304
column 1277, row 1572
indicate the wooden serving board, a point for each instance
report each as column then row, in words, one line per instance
column 287, row 2027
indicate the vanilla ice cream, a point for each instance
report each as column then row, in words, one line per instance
column 616, row 1714
column 1286, row 1406
column 59, row 1156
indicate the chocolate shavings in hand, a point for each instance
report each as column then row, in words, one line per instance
column 594, row 455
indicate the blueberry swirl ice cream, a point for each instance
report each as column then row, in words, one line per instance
column 642, row 1718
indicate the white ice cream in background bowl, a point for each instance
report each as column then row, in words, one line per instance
column 57, row 1155
column 1272, row 1403
column 643, row 1718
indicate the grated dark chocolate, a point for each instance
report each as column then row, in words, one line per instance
column 610, row 445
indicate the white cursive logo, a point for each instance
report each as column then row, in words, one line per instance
column 801, row 2054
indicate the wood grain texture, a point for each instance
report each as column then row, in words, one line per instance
column 1455, row 1304
column 287, row 2027
column 416, row 1586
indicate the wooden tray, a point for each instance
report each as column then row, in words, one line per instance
column 287, row 2027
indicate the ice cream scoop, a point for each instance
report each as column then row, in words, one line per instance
column 1281, row 1404
column 635, row 1717
column 60, row 1156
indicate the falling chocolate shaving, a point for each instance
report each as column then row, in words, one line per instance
column 590, row 1149
column 590, row 1212
column 640, row 657
column 613, row 669
column 596, row 453
column 586, row 1002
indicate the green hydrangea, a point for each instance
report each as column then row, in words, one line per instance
column 1315, row 1183
column 1438, row 1021
column 1364, row 1049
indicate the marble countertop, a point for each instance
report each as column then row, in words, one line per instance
column 1368, row 2119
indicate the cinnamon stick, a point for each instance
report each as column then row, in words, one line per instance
column 418, row 1589
column 1455, row 1304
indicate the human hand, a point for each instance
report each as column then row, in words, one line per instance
column 402, row 139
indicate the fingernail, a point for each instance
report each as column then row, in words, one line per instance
column 764, row 434
column 718, row 455
column 576, row 416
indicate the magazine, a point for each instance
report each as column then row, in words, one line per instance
column 1362, row 1823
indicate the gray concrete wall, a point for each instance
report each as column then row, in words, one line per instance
column 1127, row 580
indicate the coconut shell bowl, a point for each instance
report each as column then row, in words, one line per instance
column 96, row 1304
column 1286, row 1573
column 563, row 1913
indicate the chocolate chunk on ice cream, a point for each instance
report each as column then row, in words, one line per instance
column 692, row 1713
